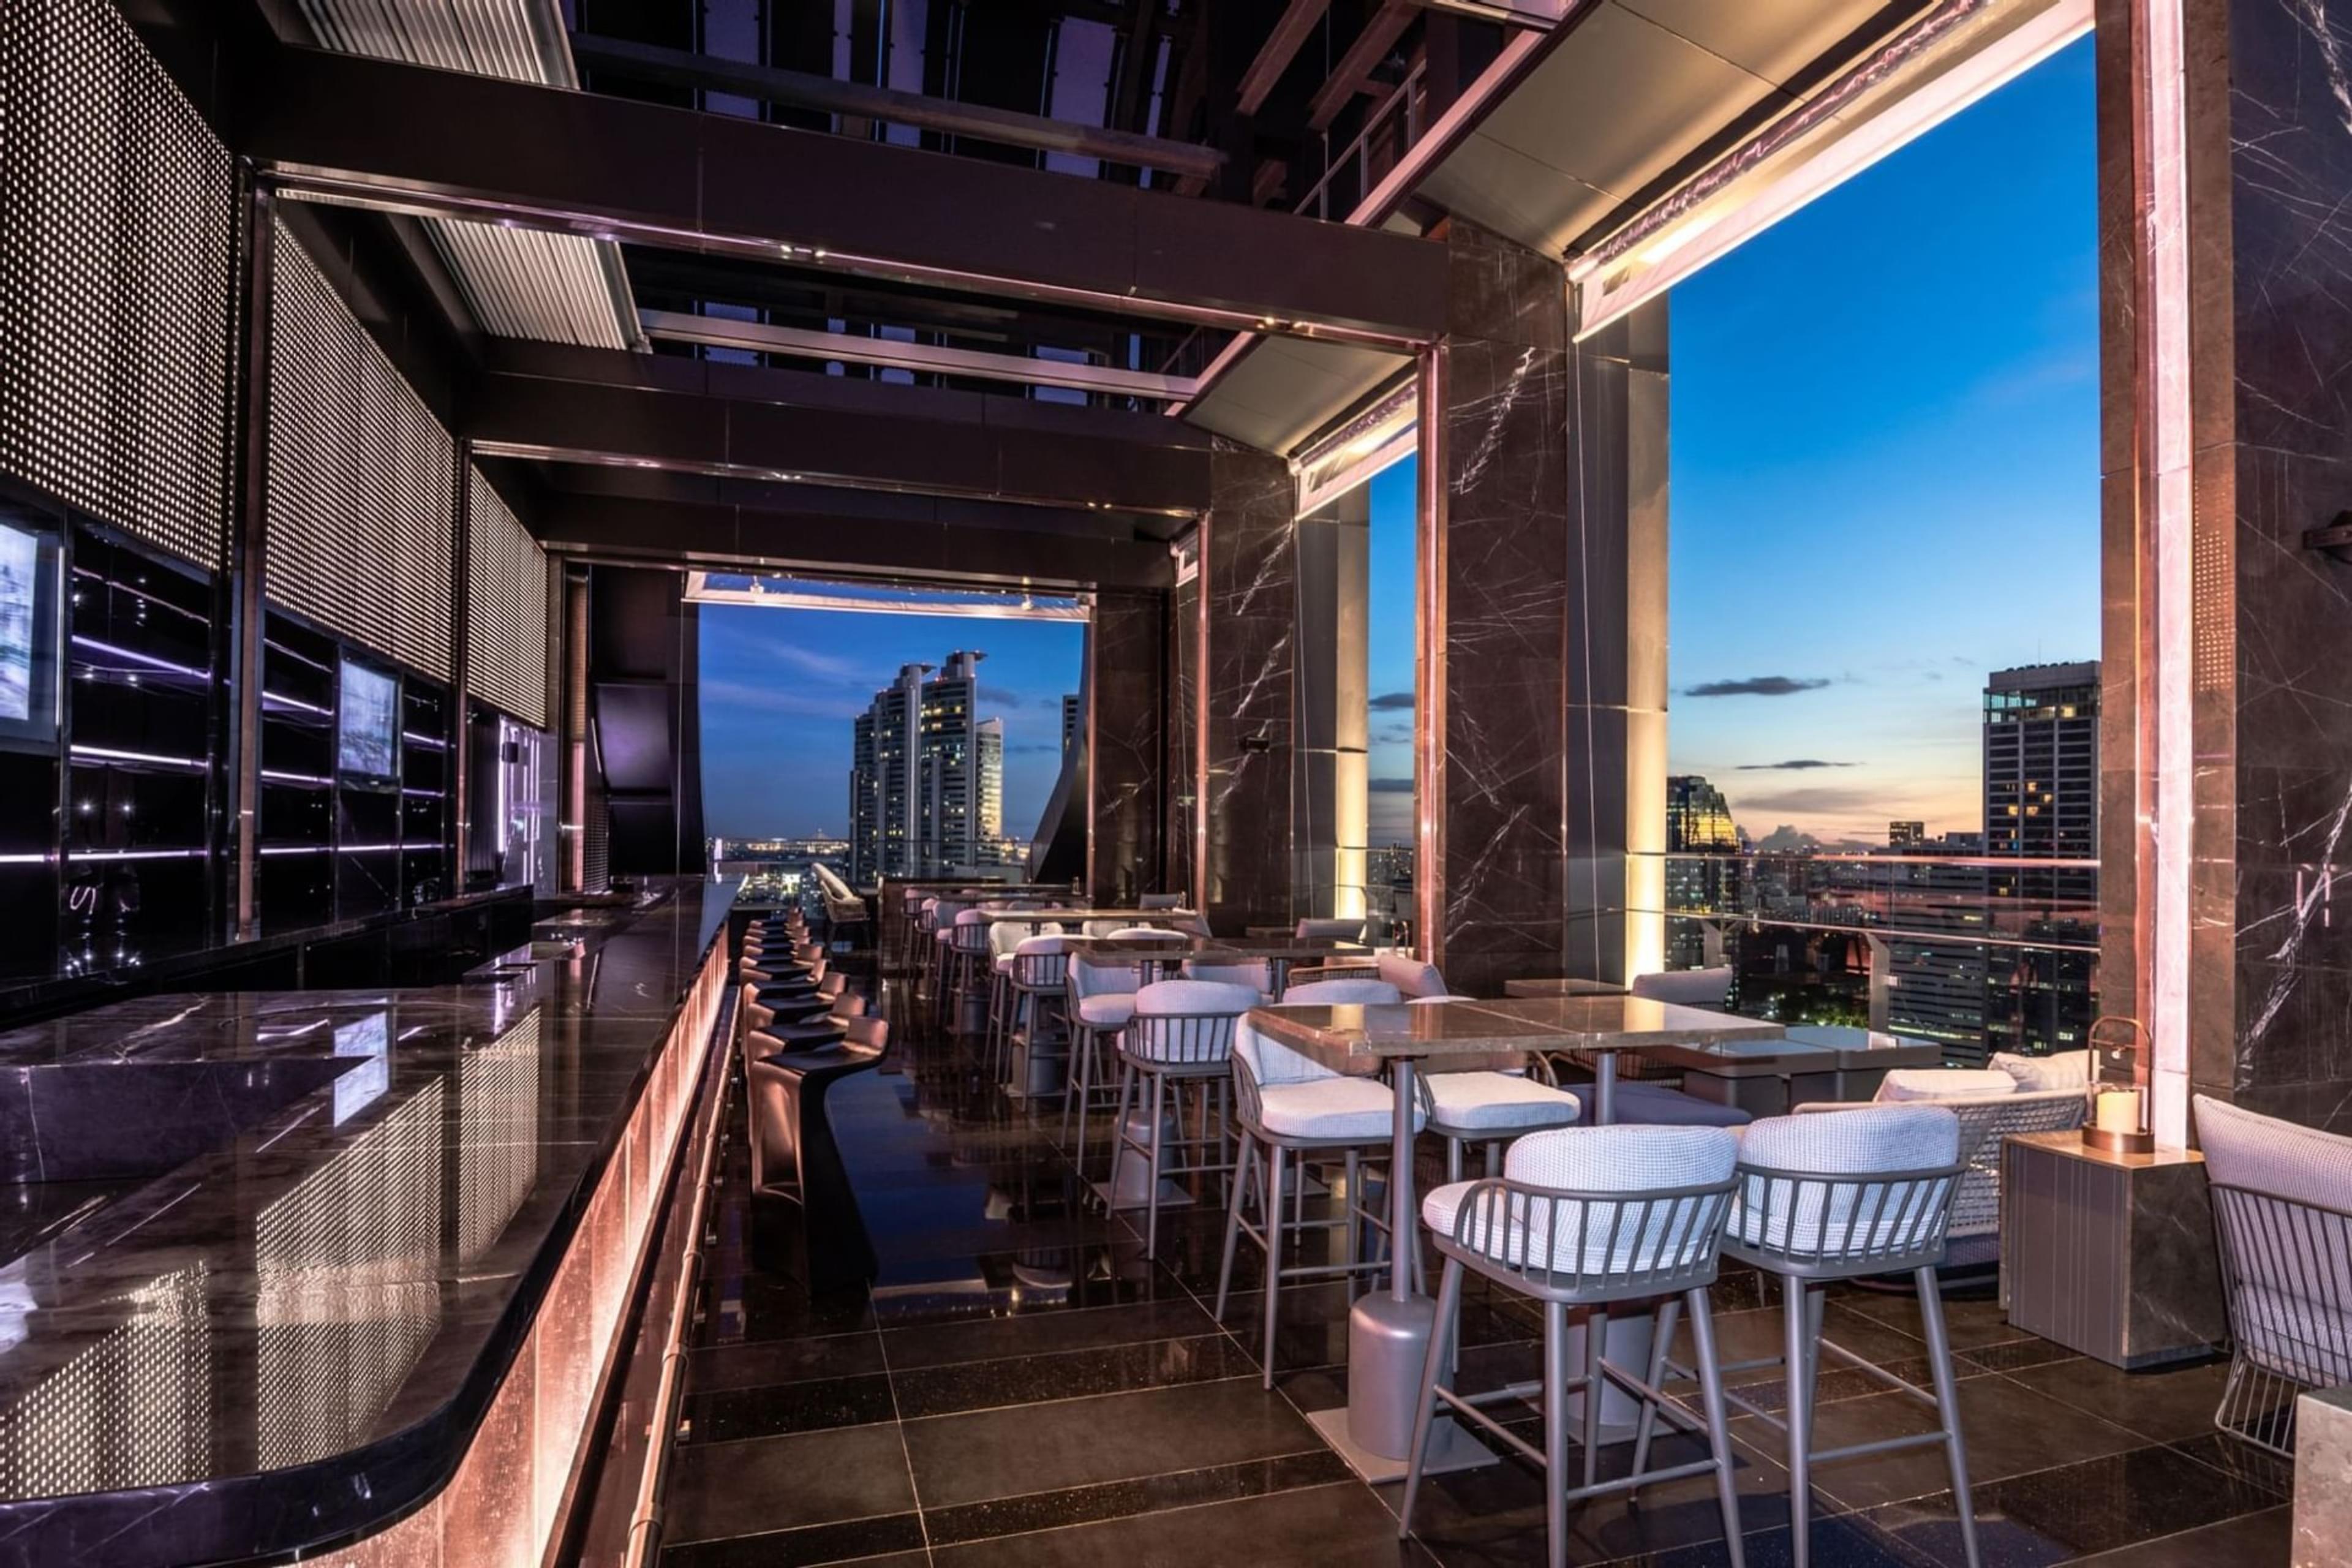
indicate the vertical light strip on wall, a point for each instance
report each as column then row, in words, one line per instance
column 117, row 288
column 506, row 646
column 2168, row 389
column 361, row 478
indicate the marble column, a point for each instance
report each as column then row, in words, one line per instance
column 1246, row 695
column 2225, row 153
column 1126, row 774
column 1540, row 701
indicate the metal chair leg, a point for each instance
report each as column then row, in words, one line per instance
column 1151, row 1200
column 1661, row 1340
column 1555, row 1355
column 1718, row 1427
column 1596, row 1342
column 1118, row 1141
column 1233, row 1222
column 1947, row 1408
column 1799, row 1416
column 1272, row 1256
column 1433, row 1368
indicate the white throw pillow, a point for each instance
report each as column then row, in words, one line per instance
column 2062, row 1069
column 1943, row 1083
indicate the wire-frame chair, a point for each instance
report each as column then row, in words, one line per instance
column 1035, row 983
column 1585, row 1247
column 1093, row 1084
column 1809, row 1226
column 1161, row 1054
column 1263, row 1150
column 2286, row 1273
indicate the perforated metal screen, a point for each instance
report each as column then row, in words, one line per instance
column 506, row 636
column 361, row 478
column 118, row 221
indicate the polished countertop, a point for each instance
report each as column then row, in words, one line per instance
column 266, row 1255
column 1455, row 1034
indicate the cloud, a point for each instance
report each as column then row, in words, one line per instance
column 1392, row 702
column 1033, row 748
column 1822, row 801
column 1794, row 764
column 1394, row 734
column 1756, row 686
column 1391, row 786
column 1003, row 696
column 808, row 661
column 1786, row 836
column 1053, row 700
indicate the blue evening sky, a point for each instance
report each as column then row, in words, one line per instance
column 1884, row 480
column 1884, row 477
column 780, row 688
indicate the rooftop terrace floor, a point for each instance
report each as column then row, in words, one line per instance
column 1020, row 1385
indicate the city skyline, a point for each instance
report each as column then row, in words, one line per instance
column 781, row 687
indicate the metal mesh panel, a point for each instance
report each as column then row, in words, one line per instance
column 361, row 478
column 506, row 639
column 117, row 279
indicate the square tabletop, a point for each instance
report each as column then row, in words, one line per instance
column 1214, row 949
column 1351, row 1038
column 1557, row 986
column 1057, row 916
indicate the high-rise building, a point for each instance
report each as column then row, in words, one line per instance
column 988, row 759
column 927, row 775
column 2042, row 803
column 1703, row 870
column 885, row 778
column 1069, row 723
column 1905, row 834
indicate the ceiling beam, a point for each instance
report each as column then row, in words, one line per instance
column 859, row 101
column 700, row 416
column 1381, row 30
column 926, row 359
column 1291, row 29
column 399, row 137
column 715, row 534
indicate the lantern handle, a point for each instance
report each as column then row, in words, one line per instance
column 2146, row 1039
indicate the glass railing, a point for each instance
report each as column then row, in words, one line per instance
column 1976, row 953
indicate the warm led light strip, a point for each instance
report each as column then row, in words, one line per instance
column 2167, row 387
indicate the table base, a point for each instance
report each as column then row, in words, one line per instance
column 1451, row 1448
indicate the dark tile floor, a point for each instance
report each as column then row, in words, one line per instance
column 1020, row 1385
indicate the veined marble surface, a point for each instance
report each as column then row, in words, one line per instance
column 267, row 1254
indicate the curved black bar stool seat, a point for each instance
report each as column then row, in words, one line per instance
column 797, row 1174
column 793, row 1038
column 774, row 991
column 791, row 1009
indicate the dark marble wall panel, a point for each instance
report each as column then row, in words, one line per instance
column 1127, row 688
column 2269, row 404
column 1178, row 843
column 1247, row 696
column 1520, row 849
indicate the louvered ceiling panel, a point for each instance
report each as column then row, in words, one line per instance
column 554, row 288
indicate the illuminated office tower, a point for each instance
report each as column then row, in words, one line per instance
column 887, row 746
column 2042, row 803
column 1069, row 723
column 1703, row 868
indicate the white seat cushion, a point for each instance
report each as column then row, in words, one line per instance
column 1004, row 963
column 2060, row 1069
column 1107, row 1010
column 1411, row 975
column 1496, row 1103
column 1684, row 987
column 1943, row 1083
column 1341, row 1108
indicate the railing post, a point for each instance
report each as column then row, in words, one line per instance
column 1882, row 977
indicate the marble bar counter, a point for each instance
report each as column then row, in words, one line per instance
column 282, row 1273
